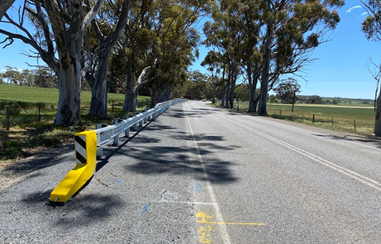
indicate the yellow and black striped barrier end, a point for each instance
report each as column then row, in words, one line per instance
column 85, row 154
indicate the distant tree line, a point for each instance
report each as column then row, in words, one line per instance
column 39, row 77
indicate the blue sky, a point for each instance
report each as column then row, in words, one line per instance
column 341, row 68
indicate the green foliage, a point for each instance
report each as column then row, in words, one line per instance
column 286, row 90
column 242, row 92
column 371, row 26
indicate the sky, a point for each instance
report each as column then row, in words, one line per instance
column 341, row 68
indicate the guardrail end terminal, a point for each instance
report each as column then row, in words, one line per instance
column 86, row 151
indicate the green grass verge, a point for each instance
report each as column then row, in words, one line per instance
column 28, row 135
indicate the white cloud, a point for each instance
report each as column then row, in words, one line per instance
column 349, row 10
column 365, row 13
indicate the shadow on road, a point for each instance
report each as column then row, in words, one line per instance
column 355, row 138
column 89, row 209
column 200, row 160
column 41, row 160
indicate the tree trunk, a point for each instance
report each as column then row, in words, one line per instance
column 262, row 110
column 98, row 105
column 130, row 96
column 224, row 87
column 232, row 85
column 69, row 101
column 377, row 125
column 253, row 81
column 4, row 6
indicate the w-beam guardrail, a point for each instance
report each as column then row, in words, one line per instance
column 90, row 144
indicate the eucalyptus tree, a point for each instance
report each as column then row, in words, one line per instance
column 372, row 29
column 157, row 48
column 224, row 35
column 57, row 39
column 292, row 29
column 107, row 27
column 4, row 6
column 213, row 62
column 270, row 38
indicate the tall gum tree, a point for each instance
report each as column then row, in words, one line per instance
column 293, row 28
column 372, row 29
column 157, row 47
column 106, row 38
column 4, row 6
column 58, row 41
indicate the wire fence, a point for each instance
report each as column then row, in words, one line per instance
column 359, row 123
column 24, row 114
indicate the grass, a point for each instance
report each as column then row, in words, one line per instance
column 346, row 117
column 28, row 135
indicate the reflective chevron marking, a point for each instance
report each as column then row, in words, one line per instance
column 80, row 149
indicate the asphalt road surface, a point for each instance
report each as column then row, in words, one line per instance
column 198, row 174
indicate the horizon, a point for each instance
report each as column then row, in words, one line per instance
column 340, row 69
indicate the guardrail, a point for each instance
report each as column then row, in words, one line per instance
column 90, row 144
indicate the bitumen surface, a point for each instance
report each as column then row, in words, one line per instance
column 199, row 174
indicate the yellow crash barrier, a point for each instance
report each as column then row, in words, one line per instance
column 85, row 154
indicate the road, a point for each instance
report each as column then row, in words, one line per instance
column 199, row 174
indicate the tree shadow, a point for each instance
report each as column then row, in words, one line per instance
column 39, row 161
column 354, row 138
column 180, row 160
column 85, row 210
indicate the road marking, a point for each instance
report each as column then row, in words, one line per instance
column 363, row 179
column 203, row 216
column 223, row 231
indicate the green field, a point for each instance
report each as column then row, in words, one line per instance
column 32, row 112
column 45, row 95
column 346, row 117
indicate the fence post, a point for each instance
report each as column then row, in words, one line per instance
column 313, row 118
column 39, row 112
column 354, row 125
column 280, row 113
column 332, row 121
column 7, row 117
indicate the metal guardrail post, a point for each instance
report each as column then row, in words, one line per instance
column 141, row 121
column 127, row 131
column 116, row 137
column 145, row 118
column 99, row 149
column 135, row 126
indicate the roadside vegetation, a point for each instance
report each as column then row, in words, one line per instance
column 29, row 134
column 349, row 115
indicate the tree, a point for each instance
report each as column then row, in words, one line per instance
column 4, row 6
column 372, row 29
column 315, row 99
column 107, row 29
column 286, row 90
column 157, row 48
column 58, row 40
column 212, row 60
column 293, row 28
column 242, row 92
